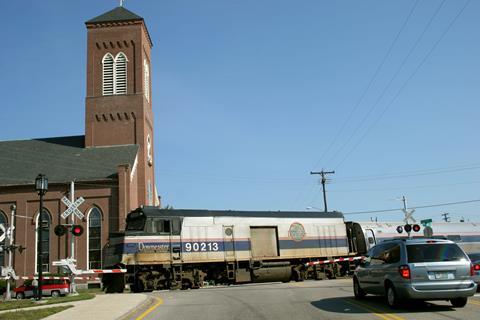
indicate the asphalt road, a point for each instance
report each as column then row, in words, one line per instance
column 327, row 299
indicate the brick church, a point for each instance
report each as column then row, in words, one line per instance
column 112, row 165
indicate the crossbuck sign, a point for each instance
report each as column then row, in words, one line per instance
column 2, row 229
column 72, row 207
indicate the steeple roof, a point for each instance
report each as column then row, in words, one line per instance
column 117, row 14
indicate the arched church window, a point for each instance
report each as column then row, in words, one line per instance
column 121, row 74
column 45, row 229
column 3, row 220
column 108, row 76
column 95, row 238
column 146, row 79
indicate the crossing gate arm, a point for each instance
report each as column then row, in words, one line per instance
column 99, row 271
column 313, row 263
column 59, row 278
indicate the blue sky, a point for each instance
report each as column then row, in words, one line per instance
column 250, row 96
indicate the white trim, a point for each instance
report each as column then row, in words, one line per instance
column 134, row 168
column 88, row 234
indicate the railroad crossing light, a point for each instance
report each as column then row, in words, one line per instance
column 77, row 230
column 60, row 230
column 399, row 229
column 416, row 227
column 408, row 228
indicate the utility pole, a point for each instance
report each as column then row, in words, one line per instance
column 446, row 217
column 323, row 181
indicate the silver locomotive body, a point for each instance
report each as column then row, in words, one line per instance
column 167, row 248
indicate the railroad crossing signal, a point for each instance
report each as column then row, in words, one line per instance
column 61, row 230
column 409, row 215
column 77, row 230
column 408, row 228
column 72, row 207
column 5, row 232
column 2, row 236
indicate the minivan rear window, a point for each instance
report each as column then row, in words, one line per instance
column 434, row 252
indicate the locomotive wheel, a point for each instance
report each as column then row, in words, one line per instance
column 186, row 284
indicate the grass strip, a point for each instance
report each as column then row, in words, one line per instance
column 19, row 304
column 32, row 314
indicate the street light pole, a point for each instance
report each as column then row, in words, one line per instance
column 41, row 185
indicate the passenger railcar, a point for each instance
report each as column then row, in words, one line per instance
column 168, row 248
column 465, row 234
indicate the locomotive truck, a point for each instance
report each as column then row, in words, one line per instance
column 170, row 248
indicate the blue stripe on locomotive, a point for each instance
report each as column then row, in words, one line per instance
column 240, row 245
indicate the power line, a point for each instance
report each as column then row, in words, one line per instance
column 371, row 177
column 405, row 83
column 417, row 207
column 407, row 175
column 443, row 185
column 390, row 82
column 359, row 101
column 371, row 81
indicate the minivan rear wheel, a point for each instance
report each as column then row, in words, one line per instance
column 459, row 302
column 357, row 290
column 392, row 297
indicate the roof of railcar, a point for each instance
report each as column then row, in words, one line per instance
column 156, row 212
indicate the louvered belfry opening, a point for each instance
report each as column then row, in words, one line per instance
column 114, row 74
column 146, row 80
column 108, row 77
column 121, row 74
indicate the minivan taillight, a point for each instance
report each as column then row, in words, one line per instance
column 476, row 267
column 404, row 271
column 473, row 268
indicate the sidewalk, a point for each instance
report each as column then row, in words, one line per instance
column 102, row 307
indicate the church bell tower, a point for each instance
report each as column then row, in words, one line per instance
column 119, row 101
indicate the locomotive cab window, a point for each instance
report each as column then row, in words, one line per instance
column 157, row 226
column 176, row 226
column 163, row 226
column 135, row 222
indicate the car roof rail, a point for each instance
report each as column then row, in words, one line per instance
column 396, row 239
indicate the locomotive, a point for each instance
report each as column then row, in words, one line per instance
column 173, row 248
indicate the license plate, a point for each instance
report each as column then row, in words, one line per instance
column 443, row 276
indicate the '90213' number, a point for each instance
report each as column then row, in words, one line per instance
column 201, row 246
